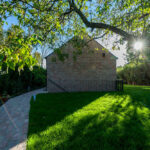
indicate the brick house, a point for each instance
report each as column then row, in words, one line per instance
column 93, row 70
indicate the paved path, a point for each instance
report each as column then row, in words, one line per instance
column 14, row 121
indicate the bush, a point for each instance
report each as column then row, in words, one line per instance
column 26, row 77
column 4, row 83
column 17, row 82
column 137, row 74
column 38, row 77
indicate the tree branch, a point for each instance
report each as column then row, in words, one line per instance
column 93, row 25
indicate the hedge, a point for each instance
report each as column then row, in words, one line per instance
column 15, row 82
column 137, row 74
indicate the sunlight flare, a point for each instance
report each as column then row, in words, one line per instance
column 138, row 45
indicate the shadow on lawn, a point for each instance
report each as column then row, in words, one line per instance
column 120, row 127
column 107, row 134
column 140, row 95
column 56, row 107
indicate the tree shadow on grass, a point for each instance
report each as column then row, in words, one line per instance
column 140, row 94
column 124, row 125
column 107, row 134
column 48, row 109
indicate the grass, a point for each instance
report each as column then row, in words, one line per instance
column 91, row 120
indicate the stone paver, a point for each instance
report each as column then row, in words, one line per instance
column 14, row 121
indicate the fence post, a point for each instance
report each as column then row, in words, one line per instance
column 122, row 85
column 119, row 85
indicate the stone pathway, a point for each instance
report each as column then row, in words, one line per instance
column 14, row 121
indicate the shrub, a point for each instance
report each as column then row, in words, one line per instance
column 26, row 77
column 4, row 83
column 15, row 82
column 38, row 77
column 137, row 74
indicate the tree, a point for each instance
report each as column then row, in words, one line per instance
column 43, row 49
column 1, row 35
column 16, row 47
column 139, row 55
column 130, row 19
column 38, row 58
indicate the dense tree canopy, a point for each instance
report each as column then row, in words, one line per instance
column 16, row 47
column 139, row 55
column 50, row 19
column 38, row 58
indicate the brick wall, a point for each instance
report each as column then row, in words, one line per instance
column 90, row 72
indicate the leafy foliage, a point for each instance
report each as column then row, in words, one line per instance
column 61, row 55
column 16, row 47
column 137, row 74
column 49, row 20
column 143, row 54
column 17, row 82
column 38, row 58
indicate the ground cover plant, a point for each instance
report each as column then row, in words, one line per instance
column 91, row 120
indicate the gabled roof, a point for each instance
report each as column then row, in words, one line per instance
column 91, row 40
column 108, row 50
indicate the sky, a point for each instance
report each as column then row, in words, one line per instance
column 120, row 54
column 10, row 20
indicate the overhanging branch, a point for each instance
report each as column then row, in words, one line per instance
column 93, row 25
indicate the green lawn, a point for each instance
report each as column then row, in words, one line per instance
column 91, row 120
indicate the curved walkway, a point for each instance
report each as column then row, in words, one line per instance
column 14, row 121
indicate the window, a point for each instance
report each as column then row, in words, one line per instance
column 103, row 54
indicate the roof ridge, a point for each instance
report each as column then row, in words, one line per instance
column 90, row 41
